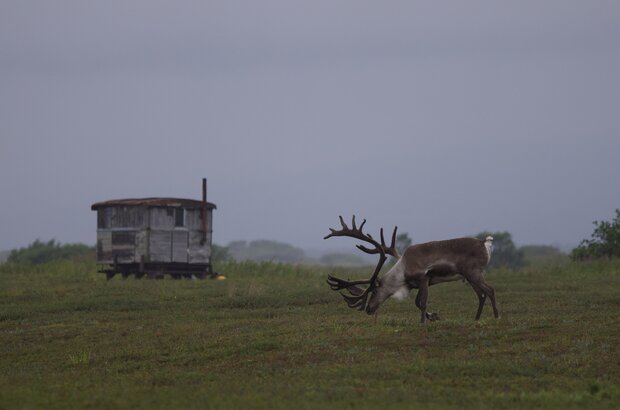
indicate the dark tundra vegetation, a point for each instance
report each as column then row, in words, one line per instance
column 274, row 336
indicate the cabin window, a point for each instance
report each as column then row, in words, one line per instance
column 179, row 217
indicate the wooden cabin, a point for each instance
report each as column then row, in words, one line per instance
column 155, row 236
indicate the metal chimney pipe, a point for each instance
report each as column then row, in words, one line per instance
column 204, row 210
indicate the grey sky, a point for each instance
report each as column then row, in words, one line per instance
column 444, row 118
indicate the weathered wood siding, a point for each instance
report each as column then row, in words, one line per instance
column 121, row 217
column 193, row 221
column 129, row 233
column 104, row 246
column 199, row 253
column 160, row 246
column 142, row 245
column 118, row 229
column 180, row 247
column 161, row 218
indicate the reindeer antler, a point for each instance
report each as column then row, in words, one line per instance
column 359, row 296
column 357, row 233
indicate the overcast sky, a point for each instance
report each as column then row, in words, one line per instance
column 444, row 118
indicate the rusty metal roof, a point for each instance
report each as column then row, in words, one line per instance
column 169, row 202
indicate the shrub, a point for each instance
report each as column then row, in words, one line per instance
column 604, row 242
column 40, row 252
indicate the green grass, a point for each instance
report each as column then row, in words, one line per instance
column 275, row 336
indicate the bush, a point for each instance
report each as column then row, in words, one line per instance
column 38, row 252
column 604, row 242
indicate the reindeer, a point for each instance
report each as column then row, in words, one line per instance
column 419, row 267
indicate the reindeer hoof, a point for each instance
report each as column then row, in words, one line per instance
column 432, row 316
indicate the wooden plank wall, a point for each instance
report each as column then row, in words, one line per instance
column 130, row 232
column 180, row 248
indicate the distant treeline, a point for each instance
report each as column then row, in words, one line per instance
column 272, row 251
column 505, row 253
column 604, row 243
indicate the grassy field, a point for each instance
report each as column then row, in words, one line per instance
column 274, row 336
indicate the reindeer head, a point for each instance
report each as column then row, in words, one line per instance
column 358, row 297
column 383, row 290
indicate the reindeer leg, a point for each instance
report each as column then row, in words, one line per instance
column 479, row 284
column 490, row 291
column 418, row 280
column 481, row 299
column 421, row 298
column 417, row 303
